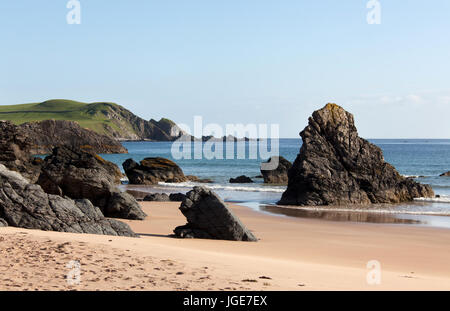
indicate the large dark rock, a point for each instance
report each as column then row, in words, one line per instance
column 26, row 205
column 177, row 197
column 151, row 171
column 15, row 151
column 83, row 175
column 209, row 218
column 446, row 174
column 277, row 172
column 48, row 134
column 336, row 167
column 241, row 180
column 157, row 197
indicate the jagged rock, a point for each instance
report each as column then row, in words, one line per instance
column 48, row 134
column 15, row 151
column 26, row 205
column 150, row 171
column 337, row 167
column 83, row 175
column 278, row 175
column 157, row 197
column 209, row 218
column 177, row 197
column 241, row 180
column 446, row 174
column 3, row 223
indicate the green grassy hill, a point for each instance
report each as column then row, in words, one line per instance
column 102, row 117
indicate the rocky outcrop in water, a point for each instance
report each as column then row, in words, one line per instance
column 151, row 171
column 26, row 205
column 209, row 218
column 83, row 175
column 278, row 175
column 445, row 174
column 337, row 167
column 15, row 151
column 241, row 180
column 48, row 134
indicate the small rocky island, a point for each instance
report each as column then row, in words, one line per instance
column 337, row 167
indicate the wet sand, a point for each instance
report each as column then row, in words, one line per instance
column 292, row 254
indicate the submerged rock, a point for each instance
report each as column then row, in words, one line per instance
column 26, row 205
column 446, row 174
column 241, row 180
column 83, row 175
column 278, row 175
column 199, row 180
column 336, row 167
column 209, row 218
column 150, row 171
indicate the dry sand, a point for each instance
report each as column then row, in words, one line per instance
column 293, row 254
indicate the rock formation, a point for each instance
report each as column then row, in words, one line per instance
column 48, row 134
column 177, row 197
column 150, row 171
column 279, row 175
column 83, row 175
column 446, row 174
column 26, row 205
column 15, row 151
column 241, row 180
column 209, row 218
column 157, row 197
column 337, row 167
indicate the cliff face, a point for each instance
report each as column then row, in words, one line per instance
column 103, row 118
column 124, row 125
column 48, row 134
column 337, row 167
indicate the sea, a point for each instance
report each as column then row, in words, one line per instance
column 421, row 159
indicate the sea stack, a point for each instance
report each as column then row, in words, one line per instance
column 337, row 167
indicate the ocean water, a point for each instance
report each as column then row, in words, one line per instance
column 422, row 159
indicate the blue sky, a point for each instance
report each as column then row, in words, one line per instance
column 237, row 61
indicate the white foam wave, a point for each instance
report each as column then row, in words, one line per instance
column 225, row 187
column 442, row 199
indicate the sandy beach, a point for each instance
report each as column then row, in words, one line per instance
column 292, row 254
